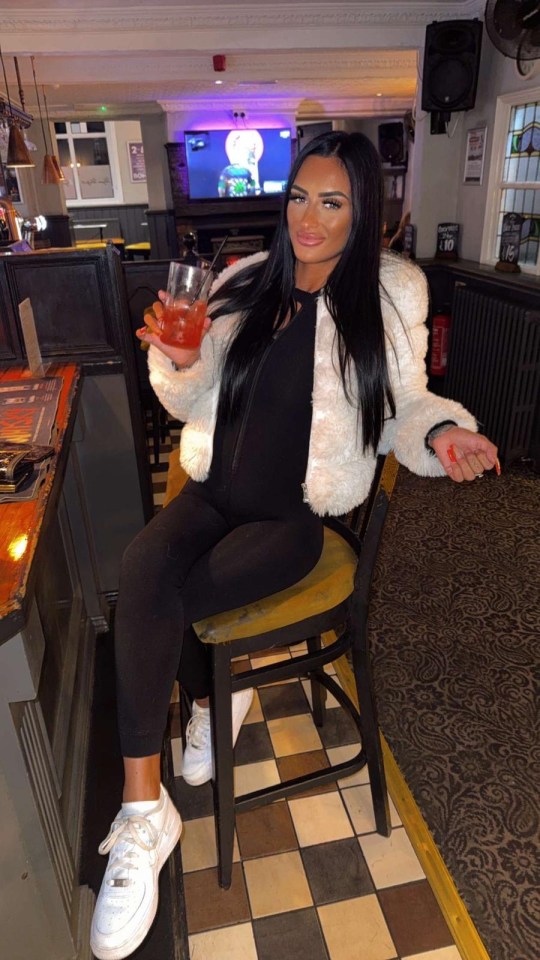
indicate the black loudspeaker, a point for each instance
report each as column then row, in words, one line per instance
column 451, row 64
column 391, row 143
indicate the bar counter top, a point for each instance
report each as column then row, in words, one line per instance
column 22, row 523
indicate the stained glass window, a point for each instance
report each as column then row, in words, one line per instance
column 520, row 184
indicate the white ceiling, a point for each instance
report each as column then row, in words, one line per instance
column 314, row 59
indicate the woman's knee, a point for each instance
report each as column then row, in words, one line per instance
column 145, row 558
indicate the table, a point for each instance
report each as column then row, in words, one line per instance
column 78, row 225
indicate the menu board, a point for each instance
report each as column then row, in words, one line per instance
column 137, row 166
column 510, row 238
column 28, row 409
column 447, row 241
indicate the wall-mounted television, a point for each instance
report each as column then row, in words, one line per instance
column 238, row 163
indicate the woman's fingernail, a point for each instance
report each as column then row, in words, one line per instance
column 498, row 467
column 452, row 454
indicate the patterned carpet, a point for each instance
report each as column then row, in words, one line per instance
column 455, row 625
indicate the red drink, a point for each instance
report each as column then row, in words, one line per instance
column 182, row 323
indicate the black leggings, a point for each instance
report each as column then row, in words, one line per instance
column 189, row 563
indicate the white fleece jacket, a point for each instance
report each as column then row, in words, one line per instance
column 338, row 473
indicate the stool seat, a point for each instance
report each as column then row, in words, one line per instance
column 326, row 586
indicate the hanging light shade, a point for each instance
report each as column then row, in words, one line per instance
column 58, row 168
column 17, row 155
column 49, row 173
column 52, row 156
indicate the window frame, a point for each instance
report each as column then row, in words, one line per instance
column 496, row 185
column 112, row 148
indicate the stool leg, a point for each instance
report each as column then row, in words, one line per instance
column 318, row 692
column 163, row 424
column 156, row 426
column 221, row 713
column 185, row 714
column 371, row 740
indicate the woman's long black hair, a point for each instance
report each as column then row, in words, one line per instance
column 263, row 293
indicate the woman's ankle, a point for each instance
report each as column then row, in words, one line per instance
column 142, row 778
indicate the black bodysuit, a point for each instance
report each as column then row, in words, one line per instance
column 242, row 534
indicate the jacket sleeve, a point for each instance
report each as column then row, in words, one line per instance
column 405, row 307
column 180, row 390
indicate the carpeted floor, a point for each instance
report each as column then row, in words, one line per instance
column 455, row 623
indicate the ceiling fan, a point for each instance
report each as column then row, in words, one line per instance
column 513, row 27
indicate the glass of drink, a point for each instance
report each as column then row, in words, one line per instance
column 184, row 309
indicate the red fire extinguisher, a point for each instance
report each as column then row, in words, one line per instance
column 440, row 340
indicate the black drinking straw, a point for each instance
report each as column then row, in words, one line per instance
column 210, row 268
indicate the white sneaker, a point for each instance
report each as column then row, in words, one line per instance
column 139, row 844
column 198, row 761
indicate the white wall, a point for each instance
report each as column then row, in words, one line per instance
column 438, row 191
column 497, row 76
column 155, row 136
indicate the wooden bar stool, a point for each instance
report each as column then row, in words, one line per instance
column 329, row 610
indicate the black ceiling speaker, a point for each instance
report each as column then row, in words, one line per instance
column 451, row 64
column 391, row 143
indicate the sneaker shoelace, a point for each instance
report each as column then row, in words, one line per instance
column 125, row 835
column 198, row 731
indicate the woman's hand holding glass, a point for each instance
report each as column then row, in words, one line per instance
column 151, row 334
column 465, row 455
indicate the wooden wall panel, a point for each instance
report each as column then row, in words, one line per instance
column 72, row 302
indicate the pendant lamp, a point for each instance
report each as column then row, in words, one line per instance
column 54, row 158
column 17, row 155
column 50, row 173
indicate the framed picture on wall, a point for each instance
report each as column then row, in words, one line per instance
column 137, row 166
column 475, row 152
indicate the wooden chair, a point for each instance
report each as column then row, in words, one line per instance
column 329, row 610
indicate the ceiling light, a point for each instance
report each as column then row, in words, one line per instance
column 218, row 82
column 379, row 94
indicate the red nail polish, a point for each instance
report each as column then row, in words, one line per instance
column 498, row 467
column 451, row 454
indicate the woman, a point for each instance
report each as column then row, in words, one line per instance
column 313, row 363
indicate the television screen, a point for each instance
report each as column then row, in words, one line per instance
column 237, row 163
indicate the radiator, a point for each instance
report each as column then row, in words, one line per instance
column 494, row 367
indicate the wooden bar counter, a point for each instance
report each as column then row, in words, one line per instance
column 21, row 522
column 52, row 604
